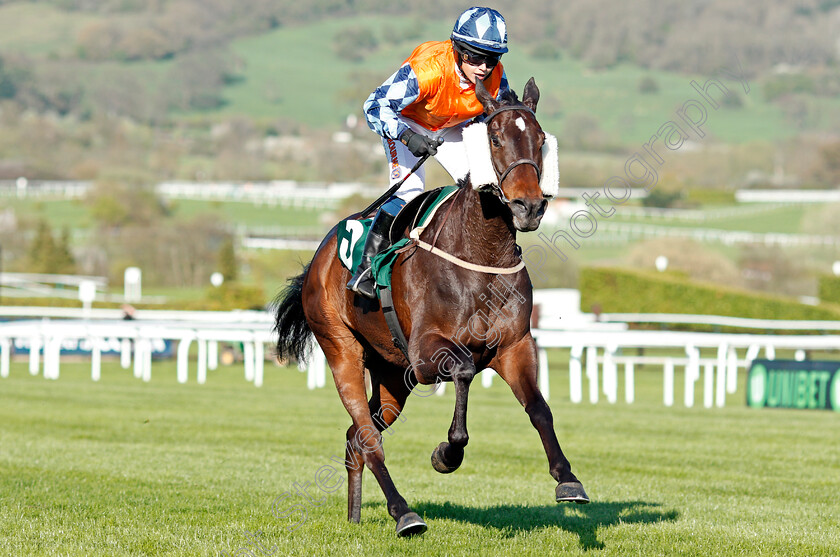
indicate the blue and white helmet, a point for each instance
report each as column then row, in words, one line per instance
column 482, row 28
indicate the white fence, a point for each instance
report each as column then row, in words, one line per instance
column 136, row 339
column 670, row 214
column 788, row 196
column 606, row 351
column 36, row 284
column 617, row 232
column 23, row 188
column 597, row 356
column 315, row 195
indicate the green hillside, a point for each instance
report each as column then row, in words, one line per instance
column 297, row 73
column 303, row 73
column 313, row 84
column 40, row 30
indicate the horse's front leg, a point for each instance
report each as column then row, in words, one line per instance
column 449, row 361
column 517, row 365
column 447, row 457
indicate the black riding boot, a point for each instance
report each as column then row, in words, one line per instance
column 377, row 241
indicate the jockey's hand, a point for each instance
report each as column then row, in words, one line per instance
column 419, row 144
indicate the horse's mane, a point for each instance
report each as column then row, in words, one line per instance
column 509, row 98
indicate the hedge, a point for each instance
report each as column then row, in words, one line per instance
column 829, row 289
column 615, row 290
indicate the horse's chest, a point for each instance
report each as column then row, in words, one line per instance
column 483, row 322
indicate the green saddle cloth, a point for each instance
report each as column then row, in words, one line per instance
column 352, row 234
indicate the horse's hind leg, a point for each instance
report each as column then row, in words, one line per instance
column 364, row 439
column 385, row 404
column 517, row 365
column 353, row 460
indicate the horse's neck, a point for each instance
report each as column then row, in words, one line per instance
column 479, row 230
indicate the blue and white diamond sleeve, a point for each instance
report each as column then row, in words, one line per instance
column 389, row 99
column 503, row 86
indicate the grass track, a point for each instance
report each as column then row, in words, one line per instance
column 75, row 213
column 121, row 467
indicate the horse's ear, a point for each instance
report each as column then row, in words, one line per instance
column 485, row 98
column 531, row 95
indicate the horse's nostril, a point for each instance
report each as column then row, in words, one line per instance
column 519, row 206
column 543, row 205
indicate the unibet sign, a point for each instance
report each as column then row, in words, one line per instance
column 792, row 384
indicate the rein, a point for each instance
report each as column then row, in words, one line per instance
column 415, row 241
column 497, row 188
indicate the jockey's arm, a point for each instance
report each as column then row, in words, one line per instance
column 389, row 99
column 503, row 86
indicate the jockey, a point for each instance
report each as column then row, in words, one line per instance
column 430, row 99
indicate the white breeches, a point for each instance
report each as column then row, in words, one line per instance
column 451, row 155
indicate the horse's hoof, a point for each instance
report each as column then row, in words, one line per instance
column 440, row 465
column 410, row 524
column 571, row 491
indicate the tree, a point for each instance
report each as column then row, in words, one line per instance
column 662, row 197
column 98, row 40
column 830, row 159
column 227, row 260
column 114, row 204
column 8, row 89
column 354, row 43
column 48, row 256
column 63, row 261
column 648, row 85
column 41, row 249
column 199, row 77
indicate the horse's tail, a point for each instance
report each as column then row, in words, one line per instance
column 293, row 331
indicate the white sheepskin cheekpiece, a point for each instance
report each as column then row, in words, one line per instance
column 550, row 180
column 477, row 145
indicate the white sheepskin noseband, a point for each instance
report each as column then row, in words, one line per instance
column 482, row 174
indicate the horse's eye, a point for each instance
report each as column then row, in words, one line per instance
column 495, row 141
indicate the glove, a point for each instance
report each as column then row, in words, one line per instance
column 419, row 144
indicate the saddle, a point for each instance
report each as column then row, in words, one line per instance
column 352, row 232
column 409, row 215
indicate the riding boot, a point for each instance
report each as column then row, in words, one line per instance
column 377, row 241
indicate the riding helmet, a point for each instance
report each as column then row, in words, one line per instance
column 483, row 29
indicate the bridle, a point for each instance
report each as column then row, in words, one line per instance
column 497, row 187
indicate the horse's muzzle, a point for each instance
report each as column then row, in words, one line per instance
column 527, row 213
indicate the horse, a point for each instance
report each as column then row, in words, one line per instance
column 457, row 320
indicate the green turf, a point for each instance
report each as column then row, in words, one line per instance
column 58, row 213
column 250, row 214
column 121, row 467
column 787, row 219
column 76, row 213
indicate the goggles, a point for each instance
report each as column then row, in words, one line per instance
column 476, row 59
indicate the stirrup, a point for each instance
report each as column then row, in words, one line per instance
column 364, row 285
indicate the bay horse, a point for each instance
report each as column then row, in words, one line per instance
column 454, row 319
